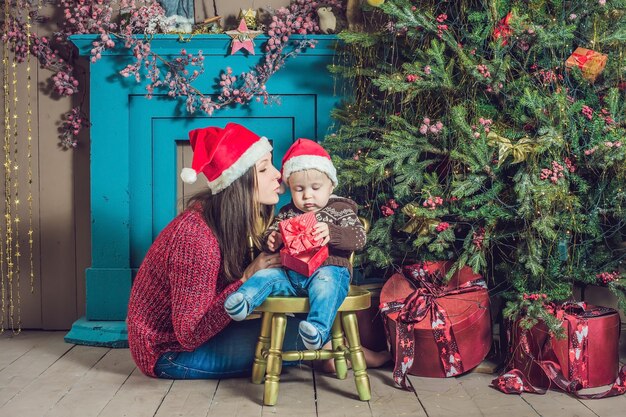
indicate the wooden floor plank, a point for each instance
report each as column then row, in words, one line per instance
column 296, row 396
column 14, row 346
column 91, row 393
column 339, row 398
column 388, row 400
column 444, row 397
column 139, row 396
column 190, row 398
column 27, row 367
column 558, row 404
column 607, row 407
column 237, row 397
column 47, row 389
column 494, row 403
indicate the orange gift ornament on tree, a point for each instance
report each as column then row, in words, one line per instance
column 590, row 62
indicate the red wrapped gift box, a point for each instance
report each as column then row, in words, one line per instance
column 305, row 263
column 302, row 252
column 297, row 233
column 435, row 329
column 588, row 353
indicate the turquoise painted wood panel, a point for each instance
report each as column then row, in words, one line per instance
column 134, row 140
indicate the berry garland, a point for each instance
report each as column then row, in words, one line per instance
column 173, row 77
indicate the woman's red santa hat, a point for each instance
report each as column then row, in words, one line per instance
column 223, row 155
column 307, row 154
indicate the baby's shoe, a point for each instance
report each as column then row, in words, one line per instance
column 236, row 306
column 310, row 335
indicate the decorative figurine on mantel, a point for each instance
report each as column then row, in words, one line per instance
column 242, row 38
column 209, row 25
column 180, row 13
column 328, row 20
column 250, row 16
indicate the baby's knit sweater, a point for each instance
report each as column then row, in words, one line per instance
column 177, row 299
column 346, row 231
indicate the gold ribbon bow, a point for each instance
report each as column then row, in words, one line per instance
column 419, row 224
column 519, row 150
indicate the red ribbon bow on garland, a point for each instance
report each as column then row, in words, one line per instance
column 415, row 308
column 297, row 233
column 503, row 29
column 576, row 314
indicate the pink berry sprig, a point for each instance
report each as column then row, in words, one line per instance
column 73, row 122
column 587, row 112
column 485, row 124
column 427, row 128
column 552, row 174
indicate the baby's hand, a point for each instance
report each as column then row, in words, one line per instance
column 321, row 232
column 274, row 241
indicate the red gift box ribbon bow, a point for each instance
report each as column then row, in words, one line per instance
column 581, row 59
column 298, row 237
column 413, row 309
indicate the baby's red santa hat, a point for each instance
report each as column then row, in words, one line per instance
column 307, row 154
column 223, row 155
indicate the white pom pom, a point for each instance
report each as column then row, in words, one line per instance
column 188, row 175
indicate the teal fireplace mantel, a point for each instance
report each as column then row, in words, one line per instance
column 134, row 141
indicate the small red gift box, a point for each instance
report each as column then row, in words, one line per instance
column 589, row 352
column 302, row 252
column 590, row 62
column 449, row 325
column 305, row 263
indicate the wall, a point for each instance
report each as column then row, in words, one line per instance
column 60, row 189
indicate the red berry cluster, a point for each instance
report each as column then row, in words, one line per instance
column 478, row 237
column 606, row 277
column 535, row 296
column 442, row 227
column 390, row 207
column 587, row 112
column 411, row 78
column 432, row 203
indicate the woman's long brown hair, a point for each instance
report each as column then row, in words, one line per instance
column 233, row 215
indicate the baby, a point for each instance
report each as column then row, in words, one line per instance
column 311, row 177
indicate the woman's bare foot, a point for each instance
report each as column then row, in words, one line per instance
column 372, row 359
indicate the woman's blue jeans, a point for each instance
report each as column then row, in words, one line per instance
column 230, row 353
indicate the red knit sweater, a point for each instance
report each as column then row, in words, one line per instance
column 177, row 299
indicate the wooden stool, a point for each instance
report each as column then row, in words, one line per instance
column 269, row 355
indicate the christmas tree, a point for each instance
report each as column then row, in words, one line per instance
column 483, row 133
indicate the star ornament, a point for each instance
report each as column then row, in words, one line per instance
column 242, row 38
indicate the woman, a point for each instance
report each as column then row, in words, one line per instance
column 177, row 325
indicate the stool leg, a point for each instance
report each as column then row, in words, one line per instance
column 260, row 363
column 357, row 357
column 341, row 367
column 274, row 359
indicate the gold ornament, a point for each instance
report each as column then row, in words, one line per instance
column 375, row 3
column 250, row 16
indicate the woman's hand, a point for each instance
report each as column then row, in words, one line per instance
column 274, row 241
column 321, row 232
column 264, row 260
